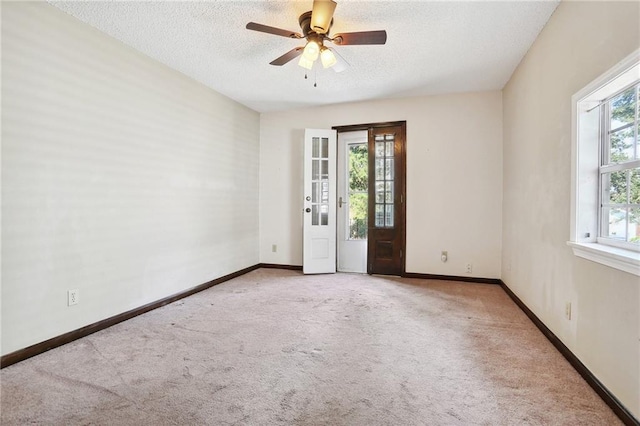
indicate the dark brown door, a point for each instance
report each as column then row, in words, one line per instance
column 386, row 239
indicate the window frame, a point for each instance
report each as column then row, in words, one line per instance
column 586, row 162
column 607, row 166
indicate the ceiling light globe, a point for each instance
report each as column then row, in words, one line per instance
column 305, row 63
column 328, row 58
column 311, row 51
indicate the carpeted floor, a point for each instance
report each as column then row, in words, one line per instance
column 277, row 347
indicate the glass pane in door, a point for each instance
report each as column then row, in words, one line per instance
column 358, row 191
column 384, row 169
column 320, row 181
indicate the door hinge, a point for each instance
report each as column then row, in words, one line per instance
column 400, row 254
column 401, row 199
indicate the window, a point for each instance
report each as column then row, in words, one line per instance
column 620, row 170
column 605, row 208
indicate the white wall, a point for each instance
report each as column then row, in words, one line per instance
column 581, row 41
column 454, row 178
column 120, row 177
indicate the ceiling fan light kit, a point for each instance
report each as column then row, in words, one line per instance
column 315, row 26
column 305, row 63
column 327, row 57
column 311, row 50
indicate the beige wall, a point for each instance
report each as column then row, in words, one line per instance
column 581, row 41
column 454, row 178
column 120, row 177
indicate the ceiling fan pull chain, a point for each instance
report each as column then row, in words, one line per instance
column 315, row 78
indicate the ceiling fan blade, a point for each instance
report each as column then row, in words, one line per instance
column 363, row 37
column 272, row 30
column 292, row 54
column 321, row 15
column 340, row 64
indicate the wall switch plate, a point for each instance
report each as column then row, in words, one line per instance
column 444, row 256
column 567, row 310
column 73, row 297
column 274, row 248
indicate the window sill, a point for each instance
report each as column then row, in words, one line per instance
column 618, row 258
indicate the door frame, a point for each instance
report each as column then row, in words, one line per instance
column 368, row 127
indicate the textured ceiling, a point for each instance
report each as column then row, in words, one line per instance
column 432, row 47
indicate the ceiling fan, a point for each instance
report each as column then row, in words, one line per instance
column 315, row 26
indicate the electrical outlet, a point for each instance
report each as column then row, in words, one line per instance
column 444, row 256
column 567, row 310
column 274, row 248
column 73, row 297
column 469, row 268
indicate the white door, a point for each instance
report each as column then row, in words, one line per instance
column 352, row 201
column 319, row 241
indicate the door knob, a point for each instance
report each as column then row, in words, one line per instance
column 308, row 210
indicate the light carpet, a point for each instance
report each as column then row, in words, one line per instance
column 278, row 347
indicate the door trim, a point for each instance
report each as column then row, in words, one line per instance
column 354, row 127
